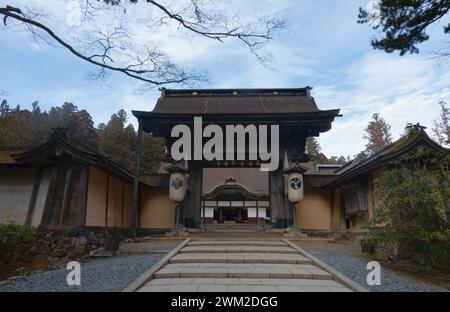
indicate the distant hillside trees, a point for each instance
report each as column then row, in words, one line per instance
column 23, row 129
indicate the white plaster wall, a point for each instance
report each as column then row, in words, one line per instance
column 16, row 186
column 251, row 213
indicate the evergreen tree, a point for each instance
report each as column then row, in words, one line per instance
column 79, row 123
column 403, row 24
column 378, row 135
column 116, row 140
column 153, row 151
column 312, row 148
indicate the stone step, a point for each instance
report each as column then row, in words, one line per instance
column 235, row 230
column 238, row 270
column 242, row 285
column 236, row 243
column 240, row 258
column 238, row 249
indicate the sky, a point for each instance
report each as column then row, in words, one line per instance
column 323, row 46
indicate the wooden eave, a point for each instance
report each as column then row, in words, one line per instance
column 160, row 124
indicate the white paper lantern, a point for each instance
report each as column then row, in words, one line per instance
column 295, row 187
column 178, row 186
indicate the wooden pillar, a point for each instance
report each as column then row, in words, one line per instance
column 177, row 216
column 137, row 170
column 83, row 196
column 107, row 201
column 66, row 196
column 278, row 200
column 257, row 212
column 34, row 193
column 192, row 205
column 203, row 212
column 122, row 204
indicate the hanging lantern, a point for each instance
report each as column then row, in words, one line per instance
column 294, row 182
column 178, row 182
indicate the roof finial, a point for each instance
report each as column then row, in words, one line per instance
column 414, row 127
column 308, row 91
column 60, row 132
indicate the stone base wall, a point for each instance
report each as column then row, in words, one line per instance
column 51, row 249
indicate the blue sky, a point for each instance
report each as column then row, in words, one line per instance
column 323, row 47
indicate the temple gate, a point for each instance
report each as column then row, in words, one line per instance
column 294, row 111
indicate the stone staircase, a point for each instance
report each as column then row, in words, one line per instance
column 236, row 265
column 233, row 228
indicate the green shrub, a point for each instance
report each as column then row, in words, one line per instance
column 13, row 234
column 413, row 208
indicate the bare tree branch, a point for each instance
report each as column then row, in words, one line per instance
column 114, row 50
column 137, row 71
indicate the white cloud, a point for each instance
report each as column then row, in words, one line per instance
column 402, row 89
column 323, row 47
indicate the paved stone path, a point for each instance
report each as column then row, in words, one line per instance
column 216, row 265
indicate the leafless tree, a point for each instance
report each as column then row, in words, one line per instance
column 114, row 50
column 441, row 129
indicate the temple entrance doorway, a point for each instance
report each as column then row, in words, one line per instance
column 235, row 196
column 231, row 215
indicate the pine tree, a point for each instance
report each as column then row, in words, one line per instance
column 404, row 24
column 378, row 134
column 312, row 148
column 116, row 140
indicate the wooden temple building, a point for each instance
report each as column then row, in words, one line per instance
column 63, row 185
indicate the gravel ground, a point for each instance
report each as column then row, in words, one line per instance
column 102, row 274
column 343, row 258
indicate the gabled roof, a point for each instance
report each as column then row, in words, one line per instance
column 355, row 169
column 60, row 148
